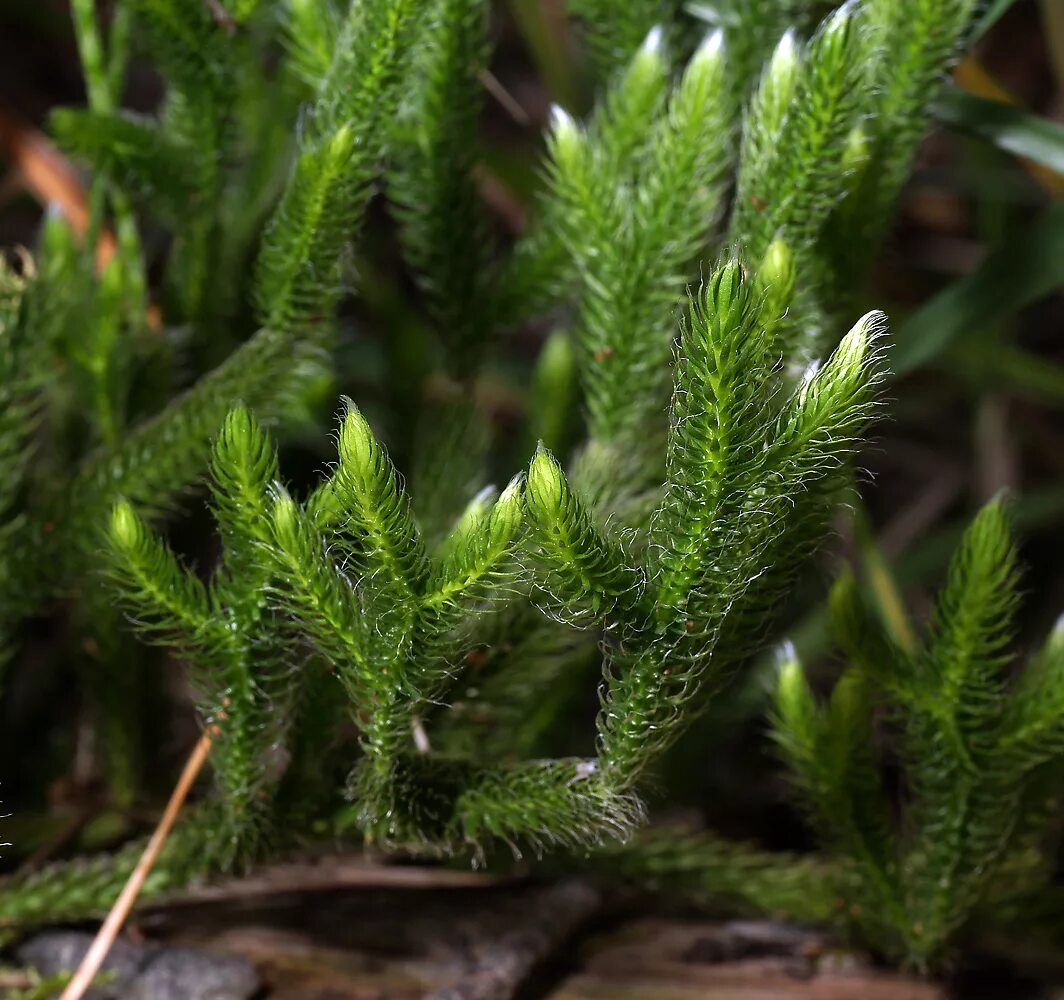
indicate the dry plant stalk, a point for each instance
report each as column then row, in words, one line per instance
column 105, row 938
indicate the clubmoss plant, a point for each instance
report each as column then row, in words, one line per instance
column 976, row 747
column 390, row 620
column 389, row 661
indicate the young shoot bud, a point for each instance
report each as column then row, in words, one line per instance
column 285, row 517
column 554, row 389
column 834, row 49
column 848, row 361
column 478, row 543
column 304, row 11
column 653, row 43
column 711, row 50
column 546, row 486
column 857, row 151
column 794, row 699
column 477, row 508
column 832, row 392
column 849, row 703
column 240, row 432
column 790, row 678
column 1054, row 645
column 112, row 279
column 838, row 27
column 126, row 528
column 706, row 70
column 341, row 145
column 477, row 511
column 506, row 514
column 358, row 446
column 726, row 298
column 56, row 241
column 775, row 276
column 566, row 136
column 786, row 654
column 779, row 80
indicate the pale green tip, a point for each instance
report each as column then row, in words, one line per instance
column 857, row 151
column 56, row 237
column 1054, row 646
column 562, row 124
column 342, row 142
column 566, row 136
column 777, row 268
column 784, row 59
column 728, row 280
column 475, row 511
column 125, row 525
column 506, row 514
column 726, row 295
column 112, row 277
column 482, row 502
column 239, row 427
column 654, row 41
column 545, row 487
column 556, row 362
column 711, row 49
column 513, row 492
column 648, row 63
column 839, row 23
column 357, row 443
column 790, row 683
column 285, row 515
column 853, row 349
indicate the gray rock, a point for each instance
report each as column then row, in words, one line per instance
column 51, row 952
column 186, row 974
column 145, row 972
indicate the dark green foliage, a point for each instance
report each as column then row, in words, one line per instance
column 392, row 618
column 444, row 230
column 582, row 572
column 21, row 379
column 199, row 63
column 135, row 152
column 106, row 408
column 617, row 29
column 228, row 632
column 431, row 653
column 915, row 44
column 501, row 713
column 975, row 794
column 752, row 29
column 705, row 867
column 719, row 572
column 806, row 103
column 89, row 885
column 450, row 462
column 299, row 275
column 637, row 195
